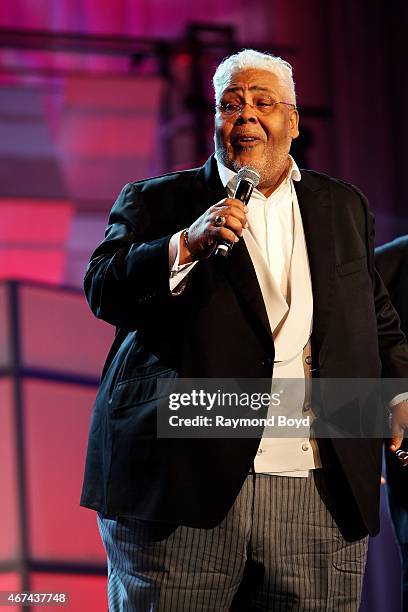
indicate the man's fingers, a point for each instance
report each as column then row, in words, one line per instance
column 235, row 220
column 230, row 211
column 226, row 220
column 397, row 435
column 236, row 225
column 233, row 203
column 395, row 443
column 398, row 425
column 223, row 233
column 237, row 205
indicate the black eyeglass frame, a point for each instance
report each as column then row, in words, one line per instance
column 241, row 106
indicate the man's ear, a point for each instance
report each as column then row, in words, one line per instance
column 294, row 123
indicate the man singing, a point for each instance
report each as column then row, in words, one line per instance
column 248, row 524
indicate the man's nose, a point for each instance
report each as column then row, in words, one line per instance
column 247, row 113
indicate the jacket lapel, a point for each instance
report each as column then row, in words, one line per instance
column 240, row 271
column 238, row 267
column 315, row 208
column 208, row 189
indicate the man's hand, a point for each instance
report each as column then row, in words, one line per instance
column 204, row 234
column 399, row 422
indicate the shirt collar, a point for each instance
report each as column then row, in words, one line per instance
column 229, row 177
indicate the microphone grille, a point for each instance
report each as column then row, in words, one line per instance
column 247, row 173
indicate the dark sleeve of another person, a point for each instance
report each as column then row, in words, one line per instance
column 392, row 263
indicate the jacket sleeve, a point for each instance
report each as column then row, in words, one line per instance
column 128, row 273
column 392, row 343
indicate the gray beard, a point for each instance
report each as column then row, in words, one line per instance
column 269, row 174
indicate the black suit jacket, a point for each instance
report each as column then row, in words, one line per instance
column 392, row 263
column 391, row 260
column 194, row 482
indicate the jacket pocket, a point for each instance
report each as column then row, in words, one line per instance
column 141, row 388
column 351, row 267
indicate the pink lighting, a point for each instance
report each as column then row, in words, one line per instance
column 34, row 222
column 57, row 417
column 86, row 593
column 10, row 582
column 44, row 420
column 32, row 239
column 9, row 539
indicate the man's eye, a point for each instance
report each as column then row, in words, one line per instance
column 231, row 106
column 264, row 103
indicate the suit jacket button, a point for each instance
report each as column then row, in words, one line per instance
column 266, row 361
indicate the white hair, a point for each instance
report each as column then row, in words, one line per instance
column 249, row 58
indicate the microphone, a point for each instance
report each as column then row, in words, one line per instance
column 248, row 178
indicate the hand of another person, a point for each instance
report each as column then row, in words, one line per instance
column 224, row 221
column 399, row 423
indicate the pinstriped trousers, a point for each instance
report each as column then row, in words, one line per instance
column 278, row 549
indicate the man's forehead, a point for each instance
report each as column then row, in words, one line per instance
column 252, row 79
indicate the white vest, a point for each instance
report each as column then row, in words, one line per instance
column 291, row 325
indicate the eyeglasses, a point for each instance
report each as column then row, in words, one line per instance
column 263, row 105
